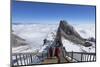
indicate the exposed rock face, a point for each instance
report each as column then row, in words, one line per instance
column 69, row 33
column 17, row 41
column 69, row 29
column 87, row 44
column 91, row 39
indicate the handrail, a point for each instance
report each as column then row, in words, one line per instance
column 20, row 59
column 79, row 56
column 27, row 53
column 82, row 57
column 83, row 53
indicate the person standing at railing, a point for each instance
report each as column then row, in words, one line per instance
column 50, row 52
column 58, row 50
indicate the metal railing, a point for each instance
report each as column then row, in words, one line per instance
column 23, row 59
column 80, row 56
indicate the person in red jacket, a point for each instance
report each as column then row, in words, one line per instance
column 58, row 50
column 57, row 53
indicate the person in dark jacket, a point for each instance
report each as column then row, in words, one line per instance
column 45, row 41
column 50, row 52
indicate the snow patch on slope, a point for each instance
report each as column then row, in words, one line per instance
column 86, row 31
column 69, row 46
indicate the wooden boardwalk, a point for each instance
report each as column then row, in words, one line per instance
column 50, row 60
column 54, row 60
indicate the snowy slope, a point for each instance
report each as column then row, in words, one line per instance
column 69, row 46
column 86, row 31
column 34, row 34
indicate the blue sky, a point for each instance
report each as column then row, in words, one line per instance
column 35, row 12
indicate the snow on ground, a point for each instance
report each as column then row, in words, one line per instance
column 34, row 34
column 86, row 31
column 69, row 46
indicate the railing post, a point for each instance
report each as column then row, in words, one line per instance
column 87, row 57
column 24, row 59
column 72, row 56
column 90, row 58
column 93, row 58
column 64, row 51
column 31, row 58
column 27, row 59
column 81, row 57
column 17, row 60
column 20, row 59
column 42, row 56
column 47, row 53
